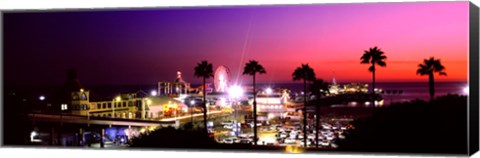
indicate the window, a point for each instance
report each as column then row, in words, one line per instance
column 75, row 97
column 130, row 103
column 124, row 104
column 84, row 107
column 99, row 106
column 109, row 105
column 104, row 105
column 83, row 97
column 64, row 107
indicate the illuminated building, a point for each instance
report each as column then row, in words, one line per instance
column 126, row 105
column 178, row 87
column 272, row 102
column 355, row 88
column 334, row 88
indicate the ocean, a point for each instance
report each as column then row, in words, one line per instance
column 409, row 90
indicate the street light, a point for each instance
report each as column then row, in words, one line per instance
column 235, row 92
column 153, row 93
column 41, row 97
column 33, row 134
column 269, row 91
column 465, row 90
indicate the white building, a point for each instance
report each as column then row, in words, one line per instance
column 271, row 103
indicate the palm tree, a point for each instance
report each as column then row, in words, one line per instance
column 252, row 68
column 204, row 70
column 306, row 73
column 318, row 85
column 430, row 67
column 373, row 56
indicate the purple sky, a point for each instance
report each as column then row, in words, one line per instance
column 145, row 46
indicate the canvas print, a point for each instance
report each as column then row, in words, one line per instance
column 319, row 78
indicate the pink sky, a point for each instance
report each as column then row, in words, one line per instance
column 151, row 45
column 406, row 32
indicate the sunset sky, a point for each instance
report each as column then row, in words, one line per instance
column 144, row 46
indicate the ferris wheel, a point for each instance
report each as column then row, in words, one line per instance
column 221, row 78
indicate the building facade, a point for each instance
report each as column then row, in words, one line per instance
column 125, row 105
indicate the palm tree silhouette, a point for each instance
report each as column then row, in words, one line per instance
column 204, row 70
column 306, row 73
column 252, row 68
column 430, row 67
column 318, row 85
column 373, row 56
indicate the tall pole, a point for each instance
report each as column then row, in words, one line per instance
column 236, row 117
column 113, row 108
column 254, row 112
column 373, row 83
column 305, row 111
column 205, row 106
column 317, row 120
column 102, row 134
column 143, row 109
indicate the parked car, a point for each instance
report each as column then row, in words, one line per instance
column 311, row 136
column 229, row 122
column 258, row 124
column 334, row 145
column 300, row 136
column 330, row 137
column 227, row 141
column 245, row 141
column 292, row 135
column 309, row 143
column 290, row 141
column 324, row 143
column 228, row 126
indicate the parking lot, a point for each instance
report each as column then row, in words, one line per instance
column 280, row 132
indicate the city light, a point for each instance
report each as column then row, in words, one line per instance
column 64, row 107
column 41, row 97
column 33, row 134
column 293, row 149
column 81, row 90
column 149, row 102
column 153, row 93
column 271, row 116
column 466, row 90
column 269, row 91
column 192, row 102
column 235, row 91
column 223, row 102
column 118, row 98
